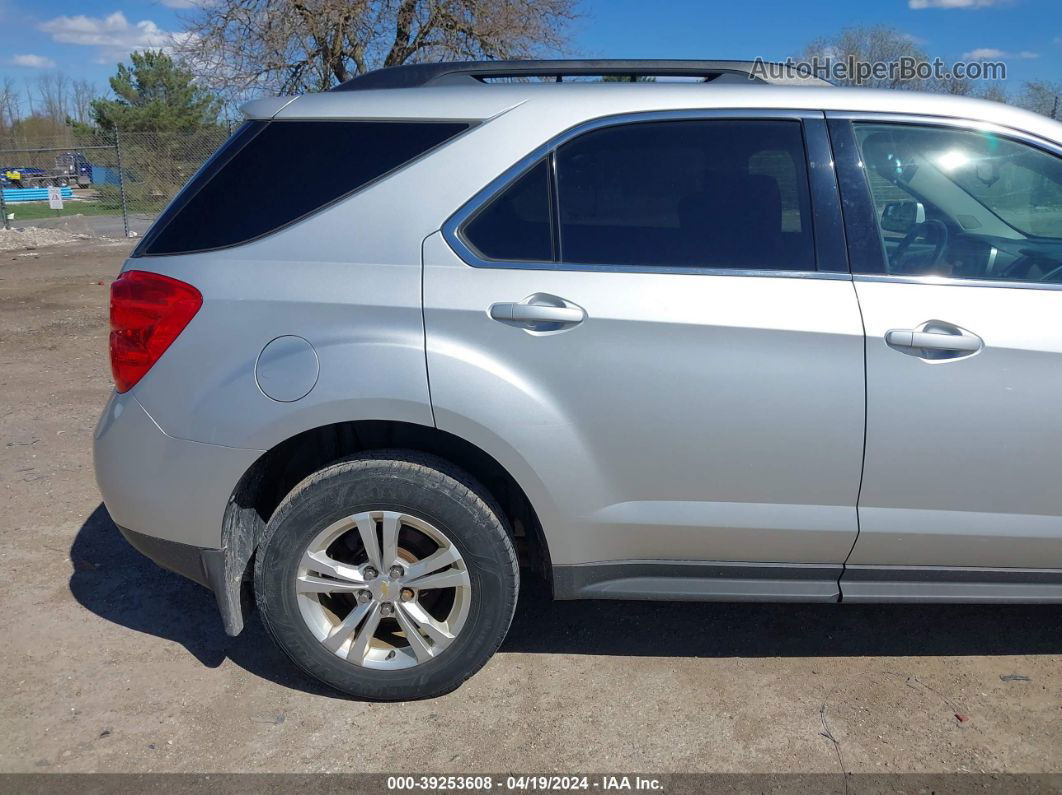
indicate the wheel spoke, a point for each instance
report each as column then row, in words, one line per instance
column 309, row 583
column 451, row 578
column 360, row 646
column 320, row 562
column 435, row 630
column 389, row 554
column 436, row 560
column 367, row 530
column 341, row 633
column 417, row 642
column 421, row 557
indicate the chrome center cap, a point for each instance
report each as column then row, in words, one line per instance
column 384, row 589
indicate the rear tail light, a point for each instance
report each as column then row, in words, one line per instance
column 148, row 312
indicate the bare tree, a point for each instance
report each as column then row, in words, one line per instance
column 10, row 103
column 84, row 91
column 994, row 92
column 956, row 86
column 869, row 45
column 293, row 46
column 53, row 98
column 884, row 45
column 29, row 97
column 961, row 87
column 1042, row 97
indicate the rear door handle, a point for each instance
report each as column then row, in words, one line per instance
column 931, row 341
column 539, row 312
column 934, row 339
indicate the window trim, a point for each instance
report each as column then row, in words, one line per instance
column 826, row 221
column 859, row 203
column 948, row 281
column 180, row 200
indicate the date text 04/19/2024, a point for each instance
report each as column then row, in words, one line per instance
column 526, row 783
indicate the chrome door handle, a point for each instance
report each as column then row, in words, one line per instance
column 539, row 312
column 934, row 337
column 532, row 313
column 931, row 341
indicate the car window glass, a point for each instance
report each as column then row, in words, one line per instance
column 964, row 204
column 779, row 166
column 516, row 224
column 270, row 174
column 699, row 193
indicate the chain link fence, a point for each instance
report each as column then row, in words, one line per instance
column 121, row 180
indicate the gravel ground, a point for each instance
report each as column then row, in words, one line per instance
column 93, row 226
column 110, row 664
column 31, row 237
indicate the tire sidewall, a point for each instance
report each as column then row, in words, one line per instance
column 365, row 484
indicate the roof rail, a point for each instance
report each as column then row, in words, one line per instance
column 473, row 72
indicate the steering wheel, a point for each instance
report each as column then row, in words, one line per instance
column 929, row 229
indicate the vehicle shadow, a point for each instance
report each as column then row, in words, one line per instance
column 117, row 583
column 750, row 629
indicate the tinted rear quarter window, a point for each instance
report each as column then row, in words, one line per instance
column 271, row 174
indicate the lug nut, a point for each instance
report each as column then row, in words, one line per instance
column 407, row 594
column 364, row 596
column 396, row 572
column 371, row 573
column 387, row 610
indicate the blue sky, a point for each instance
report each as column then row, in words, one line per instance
column 86, row 38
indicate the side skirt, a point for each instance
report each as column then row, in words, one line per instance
column 666, row 580
column 942, row 584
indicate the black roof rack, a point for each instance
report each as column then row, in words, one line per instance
column 472, row 72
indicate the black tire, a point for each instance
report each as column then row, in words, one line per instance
column 426, row 487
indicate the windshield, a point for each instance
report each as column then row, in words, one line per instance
column 1023, row 186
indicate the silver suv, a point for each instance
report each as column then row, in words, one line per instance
column 704, row 338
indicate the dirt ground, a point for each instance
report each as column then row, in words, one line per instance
column 111, row 664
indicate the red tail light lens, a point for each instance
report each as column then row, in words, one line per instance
column 148, row 312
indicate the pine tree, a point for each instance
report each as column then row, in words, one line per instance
column 155, row 94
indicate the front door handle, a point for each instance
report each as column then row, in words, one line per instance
column 934, row 339
column 539, row 312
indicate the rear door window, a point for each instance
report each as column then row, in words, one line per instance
column 271, row 174
column 672, row 194
column 702, row 193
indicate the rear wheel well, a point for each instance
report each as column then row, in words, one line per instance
column 279, row 470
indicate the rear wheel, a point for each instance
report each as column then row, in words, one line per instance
column 388, row 576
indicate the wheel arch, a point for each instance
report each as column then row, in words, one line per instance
column 273, row 475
